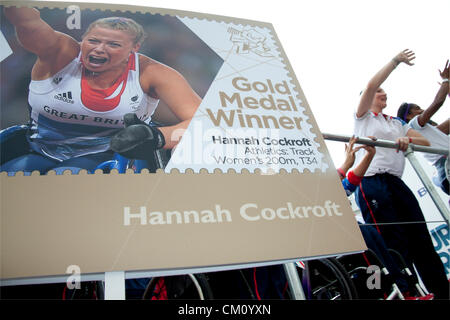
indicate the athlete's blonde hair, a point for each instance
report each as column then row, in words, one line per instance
column 120, row 23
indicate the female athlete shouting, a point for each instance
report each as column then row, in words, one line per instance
column 84, row 94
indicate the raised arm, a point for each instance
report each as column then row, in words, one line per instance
column 355, row 176
column 363, row 165
column 350, row 152
column 406, row 56
column 349, row 157
column 439, row 99
column 54, row 49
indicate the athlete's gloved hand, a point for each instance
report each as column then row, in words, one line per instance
column 138, row 140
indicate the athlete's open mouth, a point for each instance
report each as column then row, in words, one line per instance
column 97, row 60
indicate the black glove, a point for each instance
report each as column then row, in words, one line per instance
column 138, row 140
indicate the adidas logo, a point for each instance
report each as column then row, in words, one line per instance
column 65, row 97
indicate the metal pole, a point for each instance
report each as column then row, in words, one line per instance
column 115, row 285
column 294, row 281
column 409, row 154
column 383, row 143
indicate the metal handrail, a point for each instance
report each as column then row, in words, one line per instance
column 409, row 154
column 383, row 143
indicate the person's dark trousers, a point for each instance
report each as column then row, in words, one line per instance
column 388, row 202
column 376, row 243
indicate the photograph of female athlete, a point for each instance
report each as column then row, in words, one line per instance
column 92, row 98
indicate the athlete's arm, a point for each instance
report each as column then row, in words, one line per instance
column 363, row 165
column 171, row 87
column 444, row 126
column 406, row 56
column 349, row 156
column 54, row 49
column 412, row 136
column 439, row 99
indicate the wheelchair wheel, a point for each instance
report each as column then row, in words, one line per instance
column 189, row 286
column 327, row 279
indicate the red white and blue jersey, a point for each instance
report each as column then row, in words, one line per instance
column 72, row 119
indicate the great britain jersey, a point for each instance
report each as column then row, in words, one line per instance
column 70, row 119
